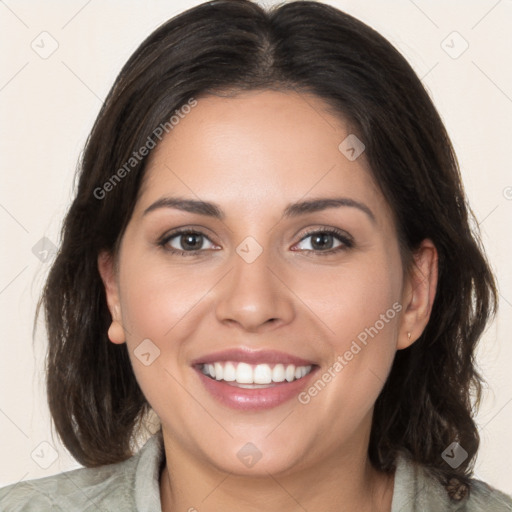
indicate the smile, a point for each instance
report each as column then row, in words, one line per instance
column 250, row 380
column 253, row 376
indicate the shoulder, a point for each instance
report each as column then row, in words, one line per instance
column 417, row 489
column 121, row 486
column 483, row 497
column 80, row 489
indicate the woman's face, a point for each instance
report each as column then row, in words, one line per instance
column 275, row 289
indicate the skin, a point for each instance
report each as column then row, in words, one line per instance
column 253, row 154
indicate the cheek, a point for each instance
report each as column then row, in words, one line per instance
column 162, row 308
column 364, row 344
column 369, row 304
column 346, row 387
column 363, row 312
column 157, row 306
column 156, row 299
column 350, row 299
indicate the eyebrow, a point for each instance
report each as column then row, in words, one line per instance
column 292, row 210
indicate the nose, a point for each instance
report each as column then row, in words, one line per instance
column 254, row 295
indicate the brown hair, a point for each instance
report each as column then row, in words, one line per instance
column 303, row 46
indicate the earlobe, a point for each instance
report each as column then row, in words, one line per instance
column 419, row 293
column 116, row 333
column 107, row 272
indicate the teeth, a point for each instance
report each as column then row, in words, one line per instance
column 246, row 374
column 278, row 373
column 290, row 372
column 229, row 372
column 219, row 371
column 262, row 374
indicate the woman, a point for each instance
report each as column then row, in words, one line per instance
column 269, row 249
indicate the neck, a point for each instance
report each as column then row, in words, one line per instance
column 342, row 479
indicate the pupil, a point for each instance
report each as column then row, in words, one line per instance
column 321, row 241
column 189, row 241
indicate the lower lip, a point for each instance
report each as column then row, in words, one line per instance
column 254, row 399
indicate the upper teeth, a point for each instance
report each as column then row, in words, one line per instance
column 244, row 373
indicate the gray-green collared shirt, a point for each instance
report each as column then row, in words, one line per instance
column 133, row 485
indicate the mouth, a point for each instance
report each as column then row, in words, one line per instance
column 248, row 380
column 258, row 376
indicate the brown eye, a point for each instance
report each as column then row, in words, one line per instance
column 183, row 242
column 190, row 241
column 327, row 241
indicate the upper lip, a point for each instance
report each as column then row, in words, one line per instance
column 248, row 356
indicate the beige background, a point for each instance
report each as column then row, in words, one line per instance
column 48, row 106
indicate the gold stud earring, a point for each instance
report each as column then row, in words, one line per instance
column 409, row 336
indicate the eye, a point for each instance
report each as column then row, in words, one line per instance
column 184, row 242
column 323, row 241
column 187, row 242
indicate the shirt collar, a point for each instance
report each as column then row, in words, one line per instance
column 147, row 475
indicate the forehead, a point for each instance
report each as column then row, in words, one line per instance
column 257, row 148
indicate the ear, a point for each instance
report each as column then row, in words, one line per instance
column 418, row 294
column 106, row 268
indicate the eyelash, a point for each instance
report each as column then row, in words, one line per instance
column 344, row 238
